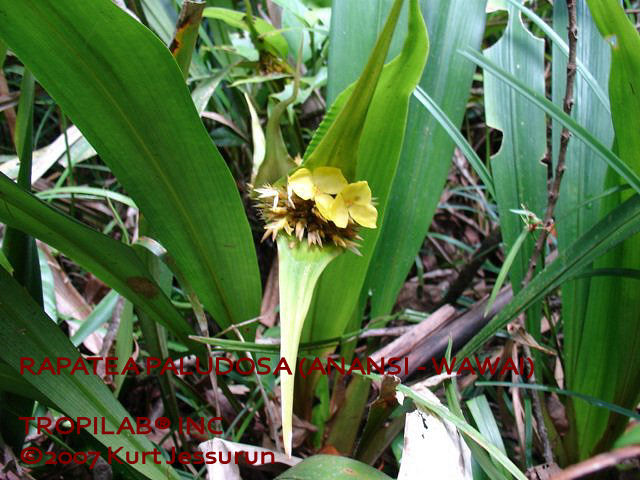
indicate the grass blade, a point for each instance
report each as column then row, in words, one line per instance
column 506, row 267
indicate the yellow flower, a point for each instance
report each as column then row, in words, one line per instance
column 336, row 199
column 353, row 201
column 321, row 184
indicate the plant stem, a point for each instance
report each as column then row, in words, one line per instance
column 554, row 193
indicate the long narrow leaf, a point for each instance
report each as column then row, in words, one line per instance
column 427, row 151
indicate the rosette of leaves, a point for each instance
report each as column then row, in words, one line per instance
column 317, row 210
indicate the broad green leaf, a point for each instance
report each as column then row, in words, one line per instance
column 428, row 148
column 299, row 268
column 611, row 330
column 275, row 43
column 555, row 112
column 620, row 224
column 121, row 87
column 113, row 262
column 519, row 177
column 332, row 467
column 585, row 173
column 380, row 148
column 25, row 328
column 560, row 45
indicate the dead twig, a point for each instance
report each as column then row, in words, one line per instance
column 554, row 194
column 599, row 462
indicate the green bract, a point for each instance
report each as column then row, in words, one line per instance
column 366, row 122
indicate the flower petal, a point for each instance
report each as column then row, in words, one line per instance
column 301, row 184
column 357, row 193
column 365, row 215
column 338, row 213
column 323, row 202
column 329, row 180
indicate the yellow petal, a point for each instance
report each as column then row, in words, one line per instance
column 338, row 213
column 323, row 202
column 357, row 193
column 301, row 184
column 329, row 180
column 365, row 215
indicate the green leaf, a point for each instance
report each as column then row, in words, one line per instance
column 19, row 248
column 277, row 161
column 113, row 262
column 332, row 467
column 124, row 91
column 349, row 47
column 558, row 114
column 25, row 328
column 275, row 43
column 99, row 315
column 476, row 163
column 611, row 330
column 21, row 251
column 506, row 268
column 519, row 176
column 586, row 398
column 561, row 47
column 428, row 148
column 630, row 437
column 299, row 268
column 584, row 176
column 486, row 422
